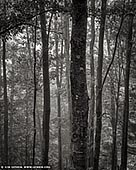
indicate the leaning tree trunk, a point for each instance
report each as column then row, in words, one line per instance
column 99, row 88
column 5, row 105
column 126, row 100
column 114, row 111
column 46, row 85
column 78, row 85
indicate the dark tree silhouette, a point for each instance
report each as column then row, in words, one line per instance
column 78, row 85
column 99, row 87
column 126, row 100
column 46, row 85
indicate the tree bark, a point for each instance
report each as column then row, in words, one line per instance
column 30, row 65
column 46, row 85
column 26, row 123
column 58, row 98
column 40, row 129
column 126, row 100
column 67, row 56
column 12, row 106
column 79, row 86
column 99, row 87
column 0, row 70
column 29, row 49
column 5, row 105
column 1, row 141
column 92, row 86
column 114, row 124
column 35, row 93
column 114, row 111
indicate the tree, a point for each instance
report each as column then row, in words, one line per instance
column 92, row 86
column 5, row 104
column 1, row 141
column 99, row 87
column 58, row 83
column 27, row 155
column 35, row 91
column 67, row 56
column 46, row 85
column 12, row 94
column 114, row 97
column 78, row 85
column 126, row 100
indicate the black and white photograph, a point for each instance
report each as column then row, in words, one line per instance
column 68, row 84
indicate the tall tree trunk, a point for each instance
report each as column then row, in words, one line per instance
column 126, row 100
column 92, row 86
column 99, row 87
column 30, row 65
column 114, row 112
column 58, row 99
column 67, row 56
column 12, row 106
column 26, row 124
column 114, row 146
column 79, row 85
column 5, row 105
column 1, row 141
column 46, row 84
column 0, row 69
column 35, row 91
column 114, row 124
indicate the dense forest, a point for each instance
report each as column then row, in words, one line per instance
column 68, row 84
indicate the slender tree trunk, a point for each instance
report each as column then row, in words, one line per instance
column 12, row 106
column 0, row 69
column 99, row 87
column 1, row 141
column 35, row 93
column 26, row 140
column 114, row 124
column 114, row 112
column 1, row 124
column 92, row 86
column 114, row 146
column 59, row 119
column 46, row 85
column 67, row 56
column 5, row 105
column 58, row 99
column 26, row 124
column 29, row 48
column 79, row 85
column 126, row 100
column 114, row 162
column 30, row 65
column 40, row 129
